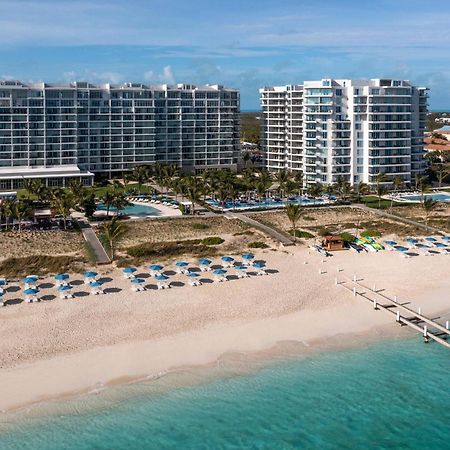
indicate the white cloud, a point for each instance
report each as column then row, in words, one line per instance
column 166, row 77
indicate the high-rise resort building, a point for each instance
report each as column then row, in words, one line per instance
column 78, row 130
column 351, row 130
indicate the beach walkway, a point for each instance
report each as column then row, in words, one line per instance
column 91, row 238
column 282, row 238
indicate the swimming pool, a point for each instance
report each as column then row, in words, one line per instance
column 439, row 197
column 133, row 210
column 267, row 203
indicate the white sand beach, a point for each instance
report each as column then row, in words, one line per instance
column 59, row 347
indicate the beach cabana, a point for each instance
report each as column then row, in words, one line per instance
column 228, row 261
column 155, row 269
column 204, row 264
column 162, row 281
column 193, row 279
column 96, row 287
column 64, row 291
column 138, row 284
column 241, row 271
column 128, row 272
column 30, row 295
column 220, row 275
column 333, row 243
column 181, row 266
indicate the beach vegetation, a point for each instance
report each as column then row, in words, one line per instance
column 257, row 244
column 40, row 265
column 429, row 205
column 371, row 233
column 301, row 234
column 323, row 231
column 348, row 237
column 200, row 226
column 213, row 240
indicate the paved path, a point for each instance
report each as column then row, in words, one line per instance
column 283, row 239
column 91, row 238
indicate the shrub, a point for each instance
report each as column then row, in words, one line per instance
column 257, row 244
column 323, row 232
column 213, row 240
column 308, row 218
column 301, row 234
column 347, row 237
column 370, row 233
column 200, row 226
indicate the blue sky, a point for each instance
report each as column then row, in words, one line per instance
column 244, row 44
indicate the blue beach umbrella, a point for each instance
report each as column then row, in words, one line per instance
column 193, row 274
column 440, row 245
column 30, row 291
column 138, row 280
column 2, row 282
column 95, row 283
column 204, row 262
column 219, row 272
column 2, row 293
column 90, row 274
column 248, row 256
column 259, row 264
column 422, row 246
column 430, row 239
column 156, row 267
column 390, row 242
column 240, row 267
column 65, row 287
column 412, row 240
column 30, row 280
column 227, row 258
column 446, row 238
column 181, row 264
column 161, row 278
column 61, row 276
column 129, row 270
column 401, row 249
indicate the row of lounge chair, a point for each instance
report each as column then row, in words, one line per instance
column 172, row 204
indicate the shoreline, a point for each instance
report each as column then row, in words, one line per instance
column 134, row 367
column 77, row 347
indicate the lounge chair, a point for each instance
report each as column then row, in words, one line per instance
column 64, row 295
column 182, row 270
column 261, row 271
column 220, row 279
column 138, row 288
column 31, row 299
column 163, row 285
column 194, row 282
column 97, row 291
column 128, row 276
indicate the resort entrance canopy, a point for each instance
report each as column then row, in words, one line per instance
column 58, row 176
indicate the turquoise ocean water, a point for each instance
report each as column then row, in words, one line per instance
column 389, row 395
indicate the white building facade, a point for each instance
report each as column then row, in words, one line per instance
column 60, row 132
column 349, row 130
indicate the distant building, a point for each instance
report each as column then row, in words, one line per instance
column 351, row 130
column 60, row 132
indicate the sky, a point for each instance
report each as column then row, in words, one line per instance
column 244, row 44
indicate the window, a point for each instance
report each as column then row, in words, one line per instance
column 338, row 92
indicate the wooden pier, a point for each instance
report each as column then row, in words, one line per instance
column 428, row 328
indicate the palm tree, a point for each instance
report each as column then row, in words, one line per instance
column 380, row 187
column 193, row 190
column 423, row 186
column 63, row 202
column 113, row 231
column 8, row 210
column 40, row 190
column 429, row 205
column 441, row 174
column 108, row 200
column 282, row 177
column 141, row 175
column 294, row 212
column 246, row 158
column 119, row 200
column 315, row 190
column 28, row 186
column 361, row 189
column 21, row 211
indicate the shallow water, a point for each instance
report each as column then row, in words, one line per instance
column 393, row 394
